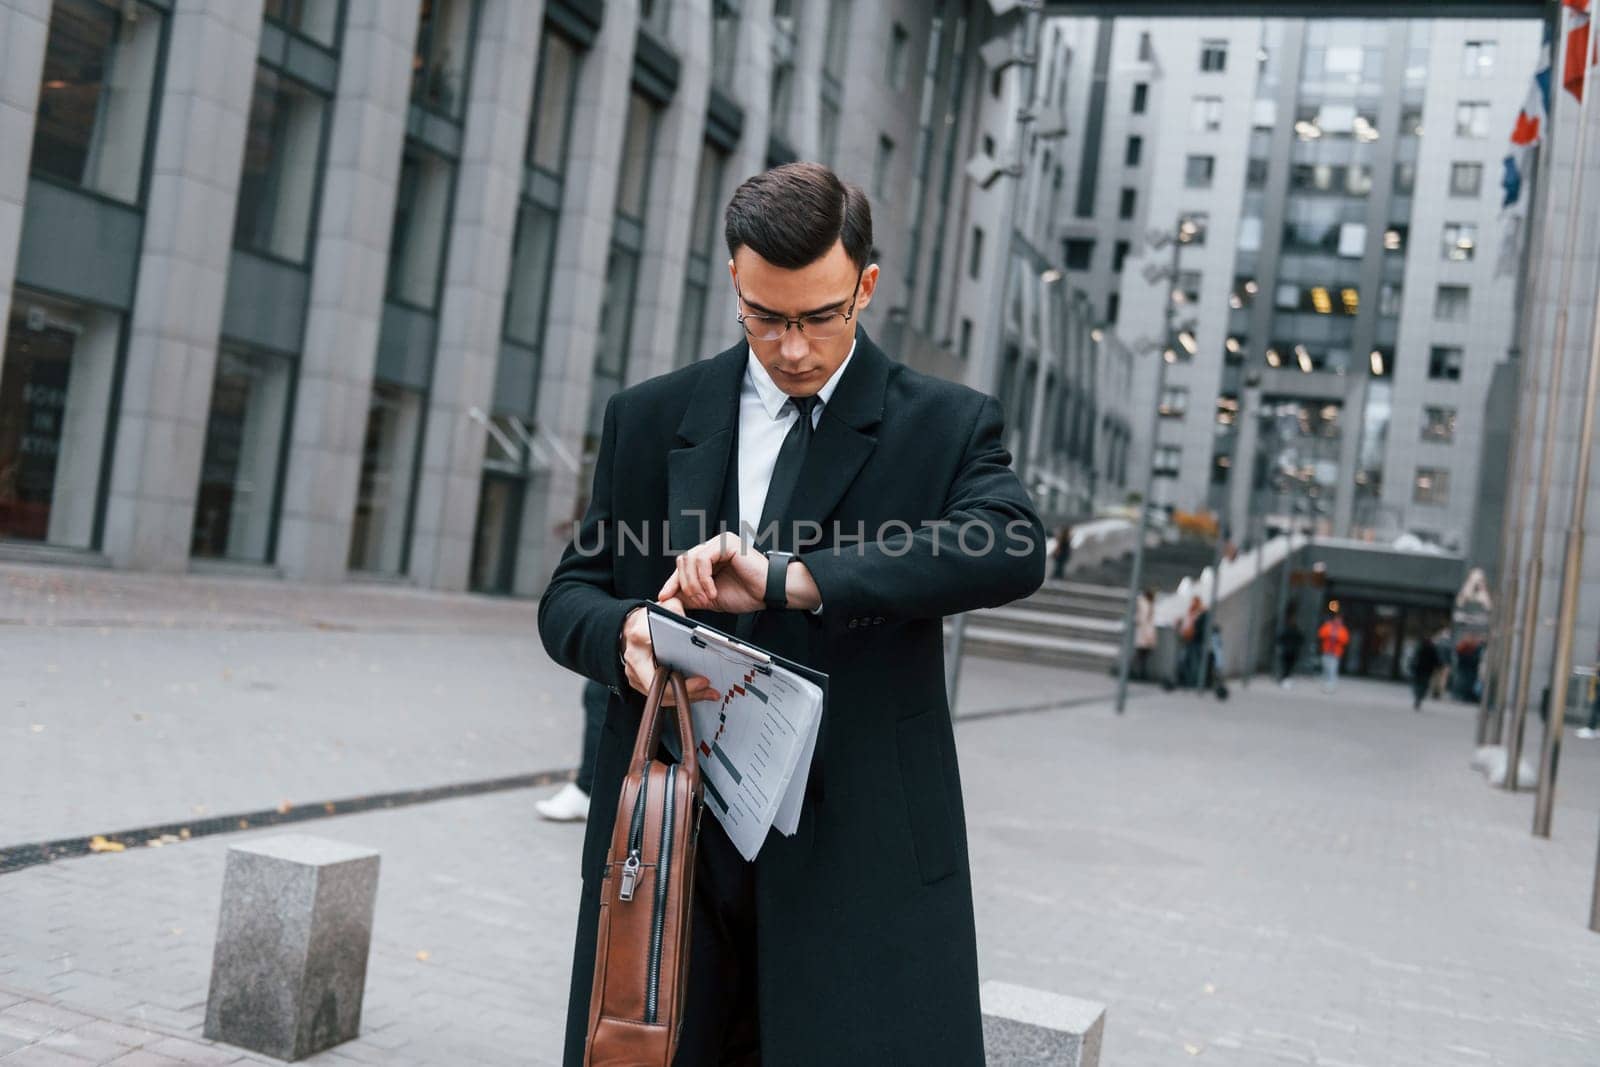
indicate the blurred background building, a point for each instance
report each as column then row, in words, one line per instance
column 341, row 287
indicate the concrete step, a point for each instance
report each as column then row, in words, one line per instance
column 993, row 642
column 1023, row 617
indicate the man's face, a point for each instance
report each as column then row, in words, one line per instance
column 799, row 363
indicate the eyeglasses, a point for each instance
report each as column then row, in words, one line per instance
column 818, row 327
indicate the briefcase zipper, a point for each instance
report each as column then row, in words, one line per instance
column 630, row 868
column 652, row 992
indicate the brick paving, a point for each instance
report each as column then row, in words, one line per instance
column 1281, row 879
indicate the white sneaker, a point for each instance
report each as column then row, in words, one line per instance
column 571, row 804
column 1587, row 734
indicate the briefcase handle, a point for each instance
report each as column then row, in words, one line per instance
column 644, row 745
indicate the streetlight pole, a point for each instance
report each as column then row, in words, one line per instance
column 1169, row 317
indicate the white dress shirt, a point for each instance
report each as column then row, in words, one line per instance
column 765, row 416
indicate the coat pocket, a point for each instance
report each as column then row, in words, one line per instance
column 923, row 783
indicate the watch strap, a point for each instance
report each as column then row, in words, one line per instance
column 777, row 597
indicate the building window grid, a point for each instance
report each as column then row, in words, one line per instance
column 1432, row 486
column 1213, row 56
column 1439, row 424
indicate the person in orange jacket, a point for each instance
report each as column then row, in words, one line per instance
column 1333, row 637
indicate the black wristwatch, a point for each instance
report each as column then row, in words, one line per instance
column 777, row 572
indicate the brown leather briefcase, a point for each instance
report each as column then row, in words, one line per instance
column 641, row 961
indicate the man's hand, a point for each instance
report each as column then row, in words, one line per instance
column 722, row 574
column 639, row 657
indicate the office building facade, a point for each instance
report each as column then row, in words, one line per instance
column 335, row 288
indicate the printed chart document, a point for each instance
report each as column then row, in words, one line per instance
column 755, row 744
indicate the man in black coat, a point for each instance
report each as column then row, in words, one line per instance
column 851, row 942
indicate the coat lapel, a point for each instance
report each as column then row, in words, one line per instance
column 845, row 437
column 697, row 472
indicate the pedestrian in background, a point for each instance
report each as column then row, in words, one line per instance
column 1291, row 641
column 1424, row 664
column 1062, row 552
column 1193, row 633
column 1144, row 632
column 1333, row 637
column 571, row 802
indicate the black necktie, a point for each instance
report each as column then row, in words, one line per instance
column 786, row 471
column 780, row 488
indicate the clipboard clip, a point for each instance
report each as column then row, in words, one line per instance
column 761, row 661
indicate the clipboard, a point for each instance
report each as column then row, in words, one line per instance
column 758, row 657
column 754, row 764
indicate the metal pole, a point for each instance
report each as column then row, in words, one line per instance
column 1571, row 575
column 1025, row 86
column 1530, row 614
column 1535, row 277
column 1256, row 540
column 1211, row 611
column 1126, row 660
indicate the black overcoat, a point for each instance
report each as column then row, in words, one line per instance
column 866, row 947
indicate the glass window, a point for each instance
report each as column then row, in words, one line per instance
column 1198, row 171
column 1174, row 400
column 899, row 57
column 654, row 15
column 616, row 325
column 55, row 404
column 707, row 200
column 828, row 130
column 784, row 48
column 1141, row 97
column 691, row 321
column 316, row 19
column 1477, row 59
column 96, row 95
column 1213, row 56
column 1466, row 179
column 1439, row 424
column 388, row 464
column 964, row 349
column 724, row 42
column 1444, row 363
column 1134, row 151
column 552, row 107
column 416, row 247
column 1119, row 255
column 838, row 39
column 439, row 67
column 233, row 512
column 282, row 148
column 636, row 148
column 1460, row 241
column 1432, row 486
column 1205, row 114
column 1168, row 460
column 1079, row 253
column 533, row 254
column 1113, row 307
column 1255, row 174
column 881, row 166
column 975, row 261
column 1128, row 203
column 1472, row 120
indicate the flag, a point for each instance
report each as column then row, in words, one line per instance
column 1578, row 49
column 1535, row 112
column 1511, row 181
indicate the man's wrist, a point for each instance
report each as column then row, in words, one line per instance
column 800, row 588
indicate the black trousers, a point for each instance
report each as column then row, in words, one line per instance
column 595, row 698
column 720, row 1024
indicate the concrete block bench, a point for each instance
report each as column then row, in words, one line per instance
column 290, row 964
column 1030, row 1028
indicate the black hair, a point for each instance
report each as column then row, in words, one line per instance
column 791, row 216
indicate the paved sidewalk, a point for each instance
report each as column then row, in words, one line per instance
column 1279, row 879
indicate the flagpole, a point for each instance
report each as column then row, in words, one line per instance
column 1502, row 634
column 1534, row 278
column 1572, row 563
column 1535, row 574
